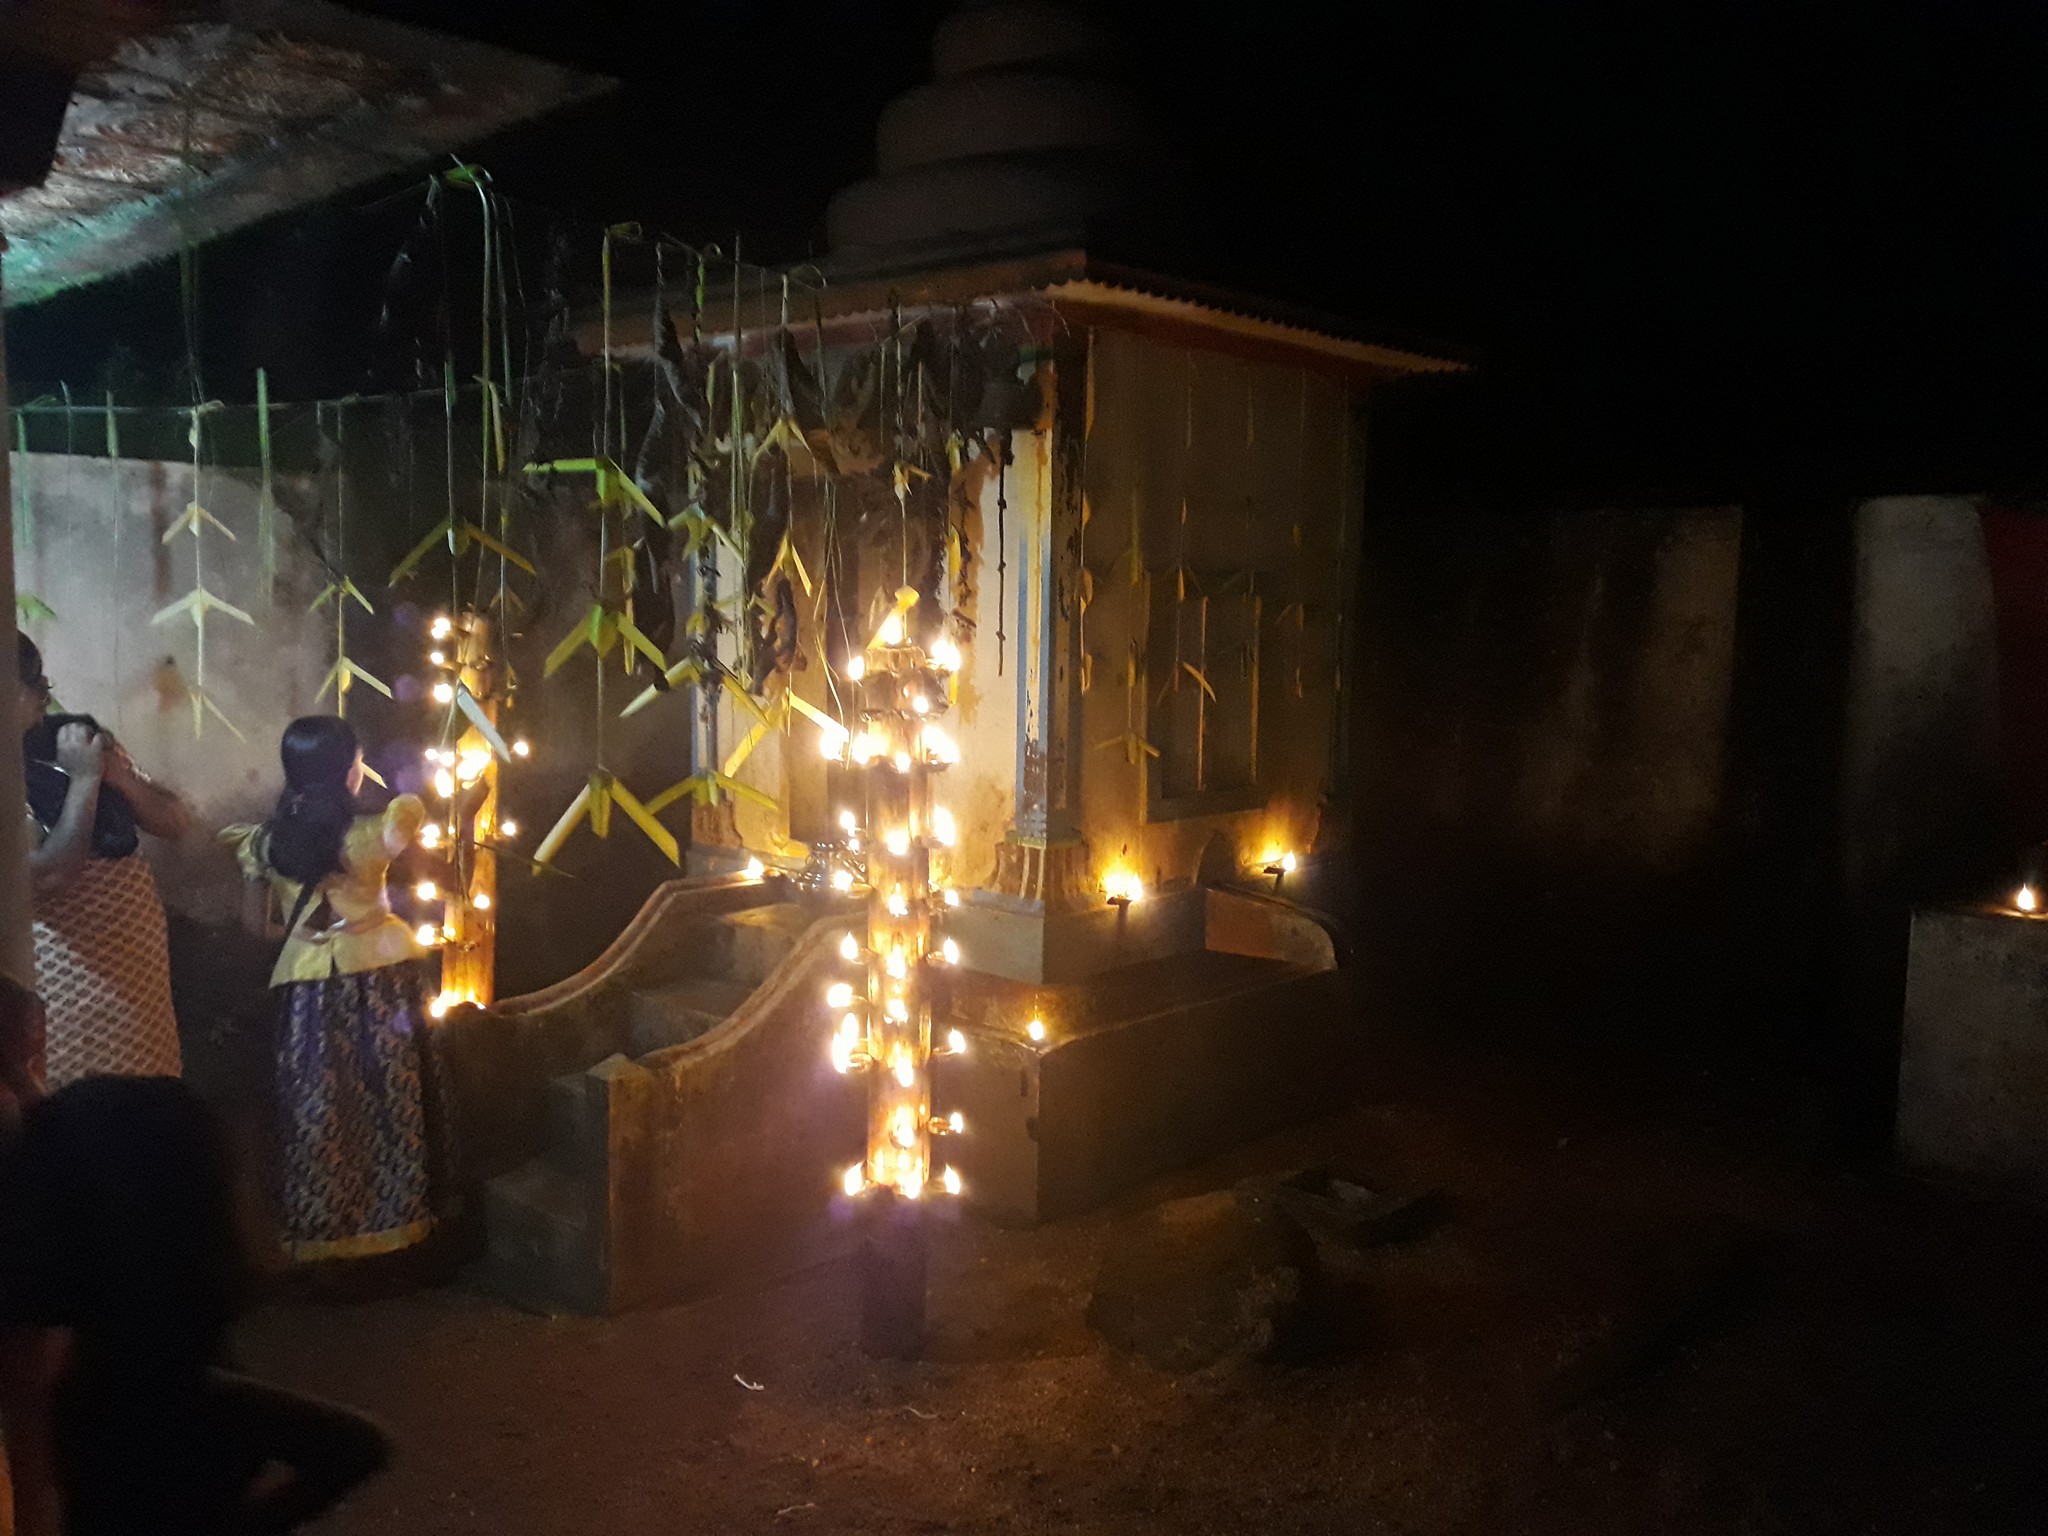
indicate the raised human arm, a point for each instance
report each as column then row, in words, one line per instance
column 55, row 862
column 403, row 818
column 159, row 811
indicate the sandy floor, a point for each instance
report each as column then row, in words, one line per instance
column 1648, row 1311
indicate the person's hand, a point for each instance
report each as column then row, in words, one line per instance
column 121, row 772
column 81, row 752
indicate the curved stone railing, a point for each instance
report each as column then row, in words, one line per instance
column 724, row 1152
column 497, row 1061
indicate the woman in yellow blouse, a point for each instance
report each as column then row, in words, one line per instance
column 358, row 1137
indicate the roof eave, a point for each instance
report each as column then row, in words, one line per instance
column 1081, row 285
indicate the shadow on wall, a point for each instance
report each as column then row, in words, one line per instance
column 1542, row 739
column 1602, row 799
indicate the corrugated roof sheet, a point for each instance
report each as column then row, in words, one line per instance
column 204, row 126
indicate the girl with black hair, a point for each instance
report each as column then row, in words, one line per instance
column 358, row 1136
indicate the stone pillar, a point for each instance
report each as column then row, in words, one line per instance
column 17, row 942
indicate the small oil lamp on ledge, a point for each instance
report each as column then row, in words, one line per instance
column 1279, row 863
column 2029, row 898
column 1122, row 886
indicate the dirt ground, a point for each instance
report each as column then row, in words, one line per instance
column 1652, row 1306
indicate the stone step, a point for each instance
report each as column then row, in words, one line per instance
column 575, row 1142
column 760, row 939
column 544, row 1251
column 671, row 1015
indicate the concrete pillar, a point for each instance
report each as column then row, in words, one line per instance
column 1919, row 804
column 17, row 942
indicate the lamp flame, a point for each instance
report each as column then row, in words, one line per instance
column 1122, row 884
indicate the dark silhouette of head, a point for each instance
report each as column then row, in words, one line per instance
column 118, row 1218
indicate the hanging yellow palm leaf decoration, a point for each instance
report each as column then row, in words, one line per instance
column 342, row 676
column 200, row 601
column 687, row 672
column 461, row 536
column 615, row 488
column 786, row 558
column 607, row 623
column 706, row 788
column 190, row 519
column 345, row 672
column 593, row 803
column 744, row 748
column 1135, row 747
column 1133, row 557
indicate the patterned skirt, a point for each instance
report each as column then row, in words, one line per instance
column 363, row 1138
column 103, row 965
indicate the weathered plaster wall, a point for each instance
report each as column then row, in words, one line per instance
column 1542, row 731
column 92, row 547
column 1210, row 476
column 1920, row 813
column 89, row 544
column 1920, row 780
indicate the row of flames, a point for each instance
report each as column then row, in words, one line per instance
column 884, row 1023
column 464, row 829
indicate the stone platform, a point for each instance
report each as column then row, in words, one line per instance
column 1227, row 1020
column 1973, row 1063
column 668, row 1121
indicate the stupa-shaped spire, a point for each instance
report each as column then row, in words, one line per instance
column 1021, row 135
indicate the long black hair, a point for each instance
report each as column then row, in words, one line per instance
column 304, row 835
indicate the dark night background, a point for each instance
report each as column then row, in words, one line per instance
column 1695, row 248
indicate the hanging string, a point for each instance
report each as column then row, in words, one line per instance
column 1002, row 546
column 119, row 508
